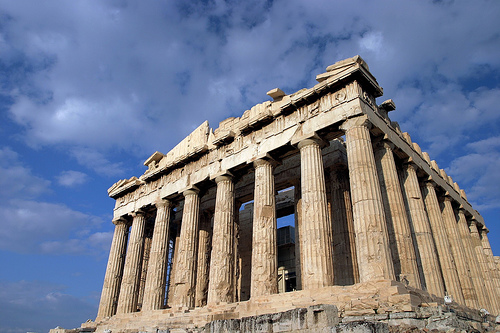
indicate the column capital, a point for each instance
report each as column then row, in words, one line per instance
column 224, row 177
column 162, row 203
column 191, row 191
column 264, row 162
column 361, row 121
column 299, row 137
column 410, row 165
column 221, row 175
column 384, row 144
column 429, row 183
column 447, row 198
column 120, row 220
column 138, row 212
column 308, row 142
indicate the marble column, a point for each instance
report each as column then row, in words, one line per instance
column 245, row 218
column 221, row 284
column 488, row 274
column 457, row 249
column 315, row 232
column 185, row 277
column 481, row 256
column 148, row 238
column 442, row 246
column 494, row 272
column 427, row 259
column 345, row 265
column 372, row 243
column 171, row 279
column 114, row 270
column 154, row 294
column 129, row 291
column 298, row 224
column 237, row 255
column 264, row 249
column 204, row 248
column 470, row 255
column 402, row 249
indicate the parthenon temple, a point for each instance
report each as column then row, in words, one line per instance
column 373, row 226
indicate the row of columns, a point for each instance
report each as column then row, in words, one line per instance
column 400, row 228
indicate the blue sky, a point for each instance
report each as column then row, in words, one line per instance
column 90, row 89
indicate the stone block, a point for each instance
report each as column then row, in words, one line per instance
column 323, row 315
column 362, row 327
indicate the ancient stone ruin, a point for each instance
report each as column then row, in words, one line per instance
column 382, row 237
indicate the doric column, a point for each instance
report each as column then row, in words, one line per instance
column 148, row 238
column 264, row 250
column 477, row 275
column 315, row 232
column 129, row 291
column 176, row 240
column 154, row 293
column 204, row 247
column 237, row 257
column 184, row 284
column 245, row 218
column 297, row 193
column 221, row 284
column 372, row 243
column 345, row 264
column 424, row 244
column 495, row 273
column 114, row 270
column 481, row 256
column 457, row 248
column 427, row 248
column 427, row 260
column 403, row 251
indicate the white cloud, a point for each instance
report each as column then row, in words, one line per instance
column 17, row 179
column 28, row 225
column 72, row 178
column 98, row 162
column 96, row 244
column 28, row 306
column 478, row 172
column 372, row 41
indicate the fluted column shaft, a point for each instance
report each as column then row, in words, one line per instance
column 144, row 270
column 171, row 280
column 494, row 272
column 345, row 265
column 221, row 284
column 372, row 241
column 316, row 232
column 427, row 260
column 298, row 225
column 457, row 248
column 477, row 275
column 403, row 251
column 184, row 283
column 483, row 261
column 114, row 271
column 442, row 245
column 154, row 293
column 264, row 250
column 129, row 292
column 204, row 247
